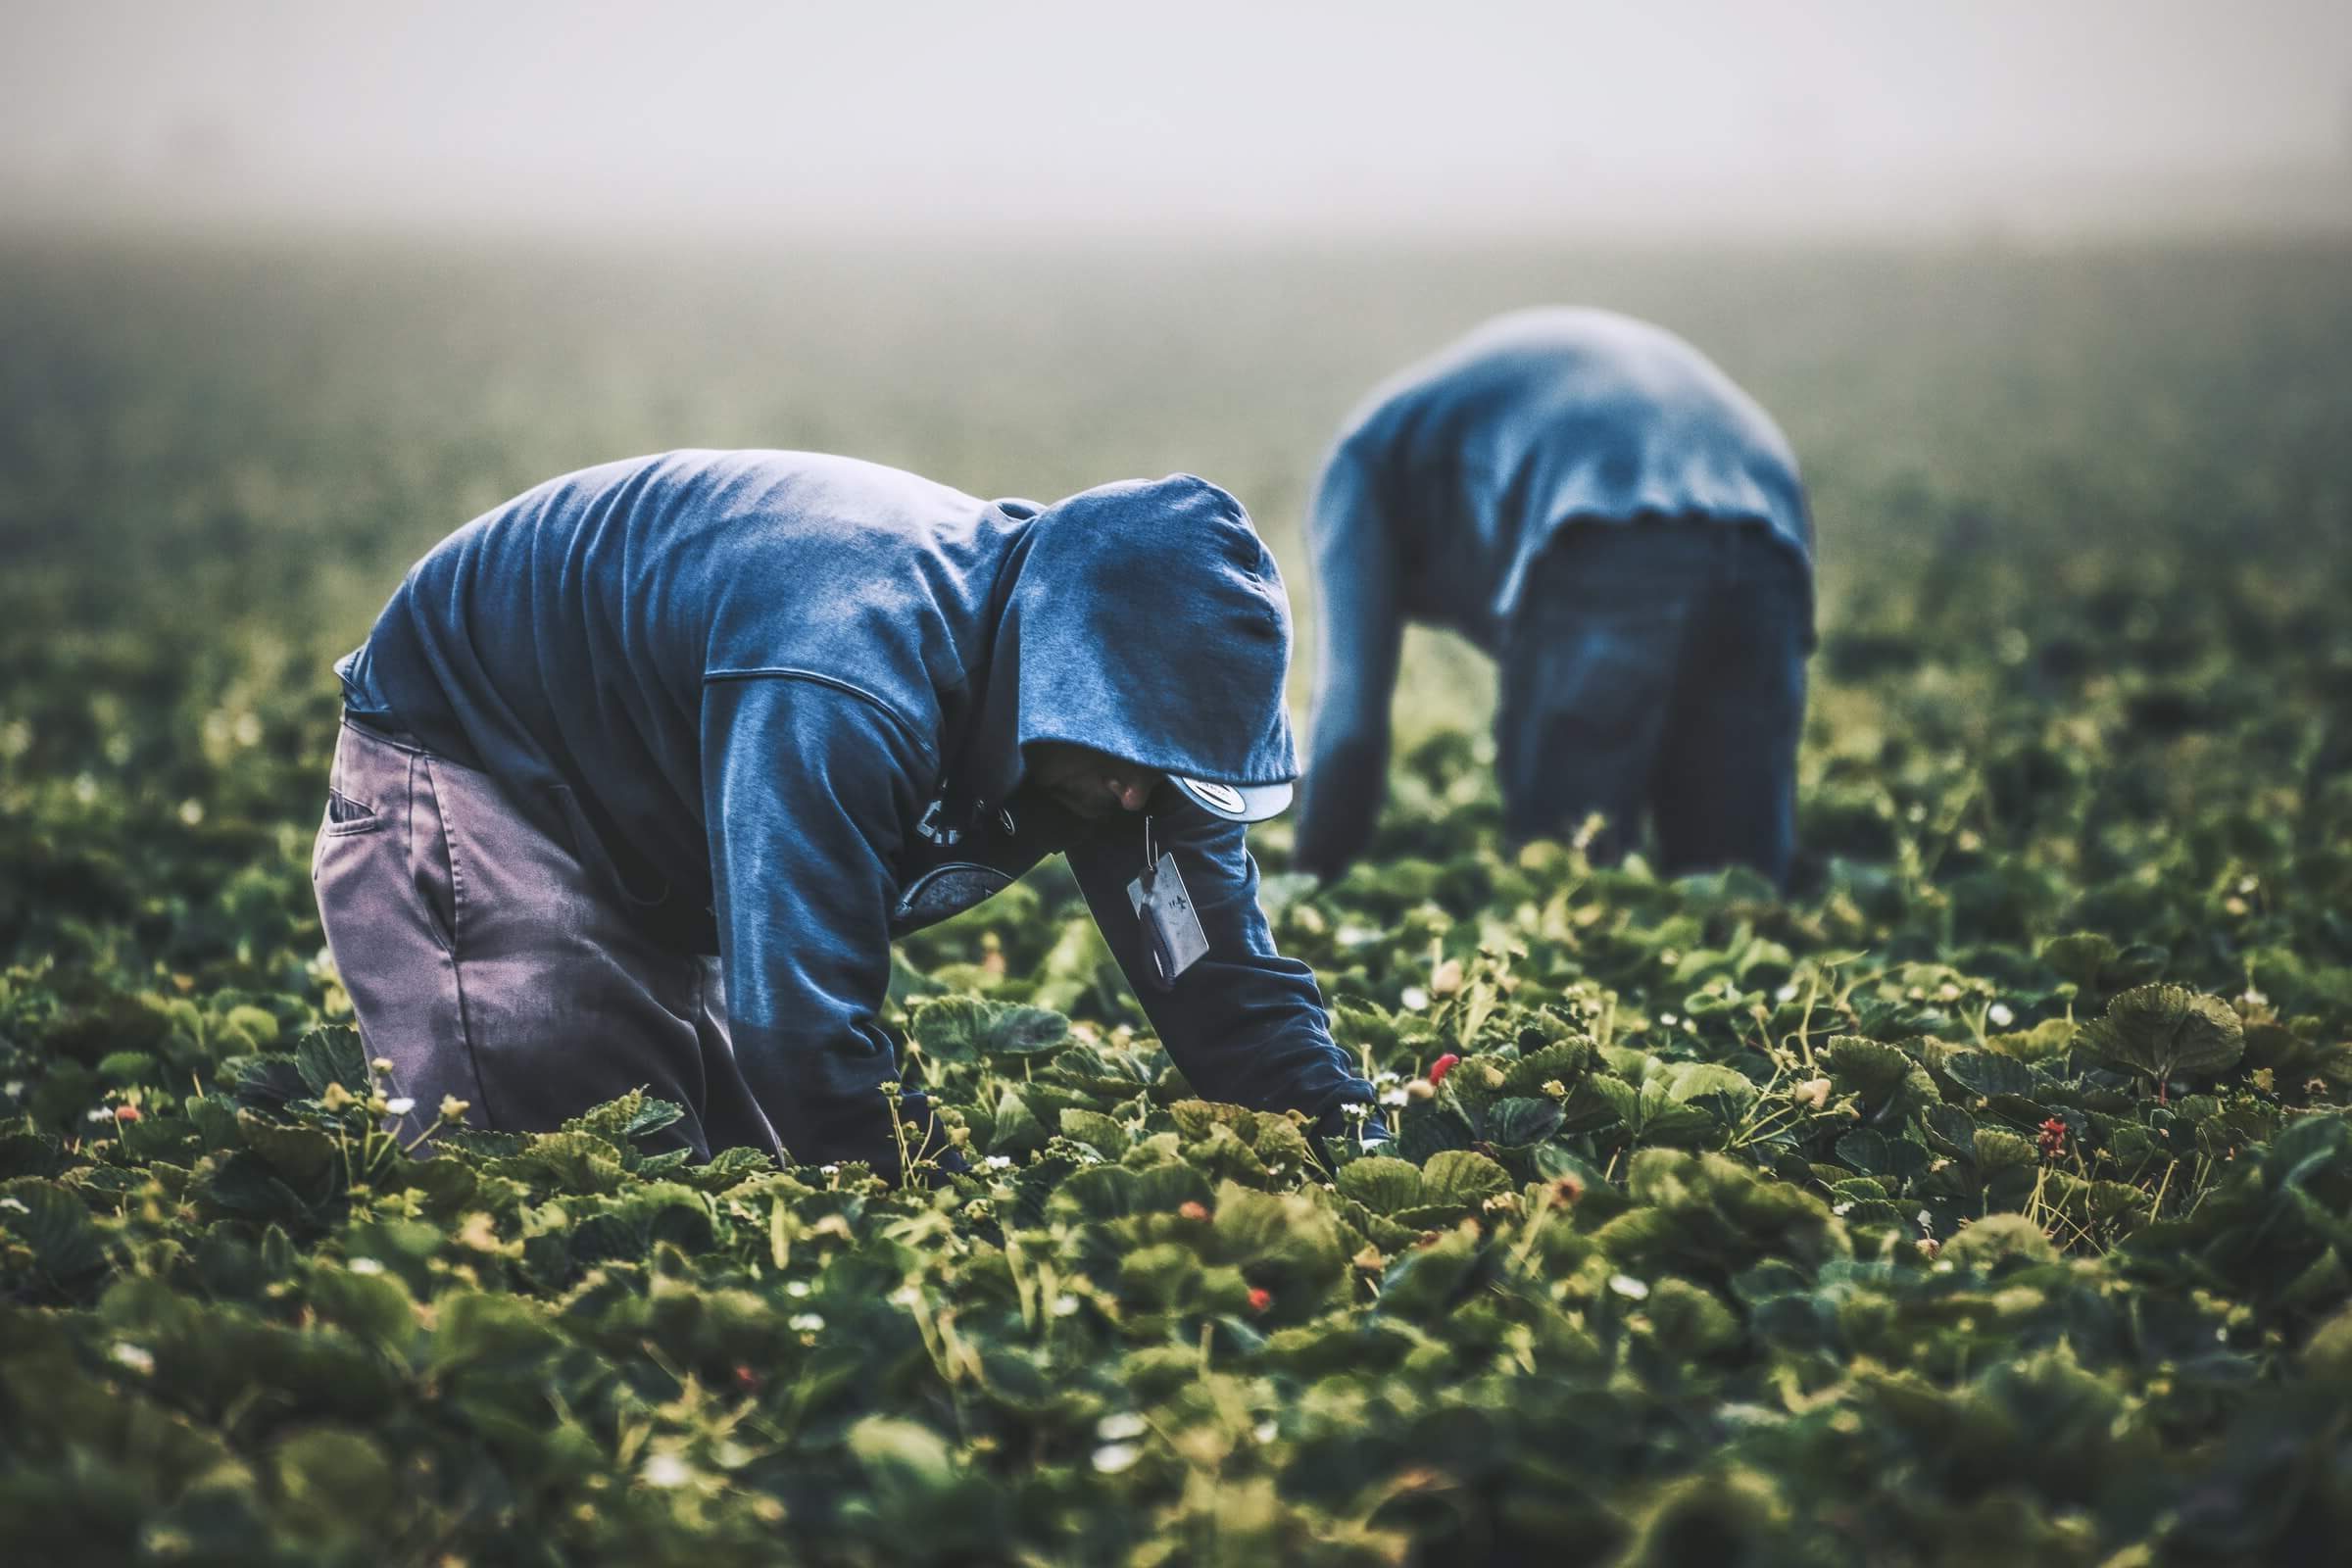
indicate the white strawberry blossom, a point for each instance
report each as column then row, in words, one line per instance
column 667, row 1470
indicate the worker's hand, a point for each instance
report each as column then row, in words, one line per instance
column 1339, row 803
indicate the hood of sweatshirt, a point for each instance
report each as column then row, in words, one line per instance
column 1145, row 619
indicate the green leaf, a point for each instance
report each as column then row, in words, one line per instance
column 729, row 1167
column 2047, row 1038
column 1951, row 1129
column 1698, row 1080
column 475, row 1328
column 127, row 1068
column 1691, row 1320
column 251, row 1028
column 1874, row 1153
column 1098, row 1132
column 2080, row 957
column 1563, row 1063
column 651, row 1117
column 444, row 1187
column 1381, row 1185
column 29, row 1154
column 1879, row 1073
column 1428, row 1130
column 2164, row 1032
column 333, row 1054
column 1017, row 1130
column 1624, row 1098
column 304, row 1159
column 1986, row 1073
column 1461, row 1178
column 574, row 1161
column 1997, row 1150
column 1359, row 1024
column 1650, row 1111
column 968, row 1028
column 331, row 1484
column 66, row 1243
column 1285, row 1242
column 215, row 1119
column 1522, row 1122
column 1429, row 1281
column 1099, row 1192
column 375, row 1307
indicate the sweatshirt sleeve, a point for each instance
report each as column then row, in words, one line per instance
column 1245, row 1024
column 806, row 788
column 1360, row 626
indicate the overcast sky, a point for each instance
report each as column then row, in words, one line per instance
column 1535, row 116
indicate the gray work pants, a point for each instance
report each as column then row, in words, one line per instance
column 485, row 961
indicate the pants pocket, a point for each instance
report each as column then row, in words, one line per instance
column 354, row 789
column 346, row 815
column 433, row 869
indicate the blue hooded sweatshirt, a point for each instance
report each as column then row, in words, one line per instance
column 1452, row 476
column 779, row 700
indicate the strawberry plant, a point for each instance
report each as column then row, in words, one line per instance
column 1982, row 1199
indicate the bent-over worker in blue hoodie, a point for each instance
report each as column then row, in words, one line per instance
column 642, row 772
column 1591, row 502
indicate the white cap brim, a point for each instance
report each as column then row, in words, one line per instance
column 1236, row 803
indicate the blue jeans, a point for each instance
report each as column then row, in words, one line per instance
column 1658, row 665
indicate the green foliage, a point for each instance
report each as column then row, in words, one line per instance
column 2165, row 1032
column 1873, row 1225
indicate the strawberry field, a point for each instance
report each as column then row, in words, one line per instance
column 1988, row 1199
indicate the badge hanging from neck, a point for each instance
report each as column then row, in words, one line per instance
column 1173, row 941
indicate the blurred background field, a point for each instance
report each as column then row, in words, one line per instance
column 218, row 455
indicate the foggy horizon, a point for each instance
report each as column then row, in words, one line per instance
column 1508, row 118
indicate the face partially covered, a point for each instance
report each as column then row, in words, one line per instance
column 1088, row 782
